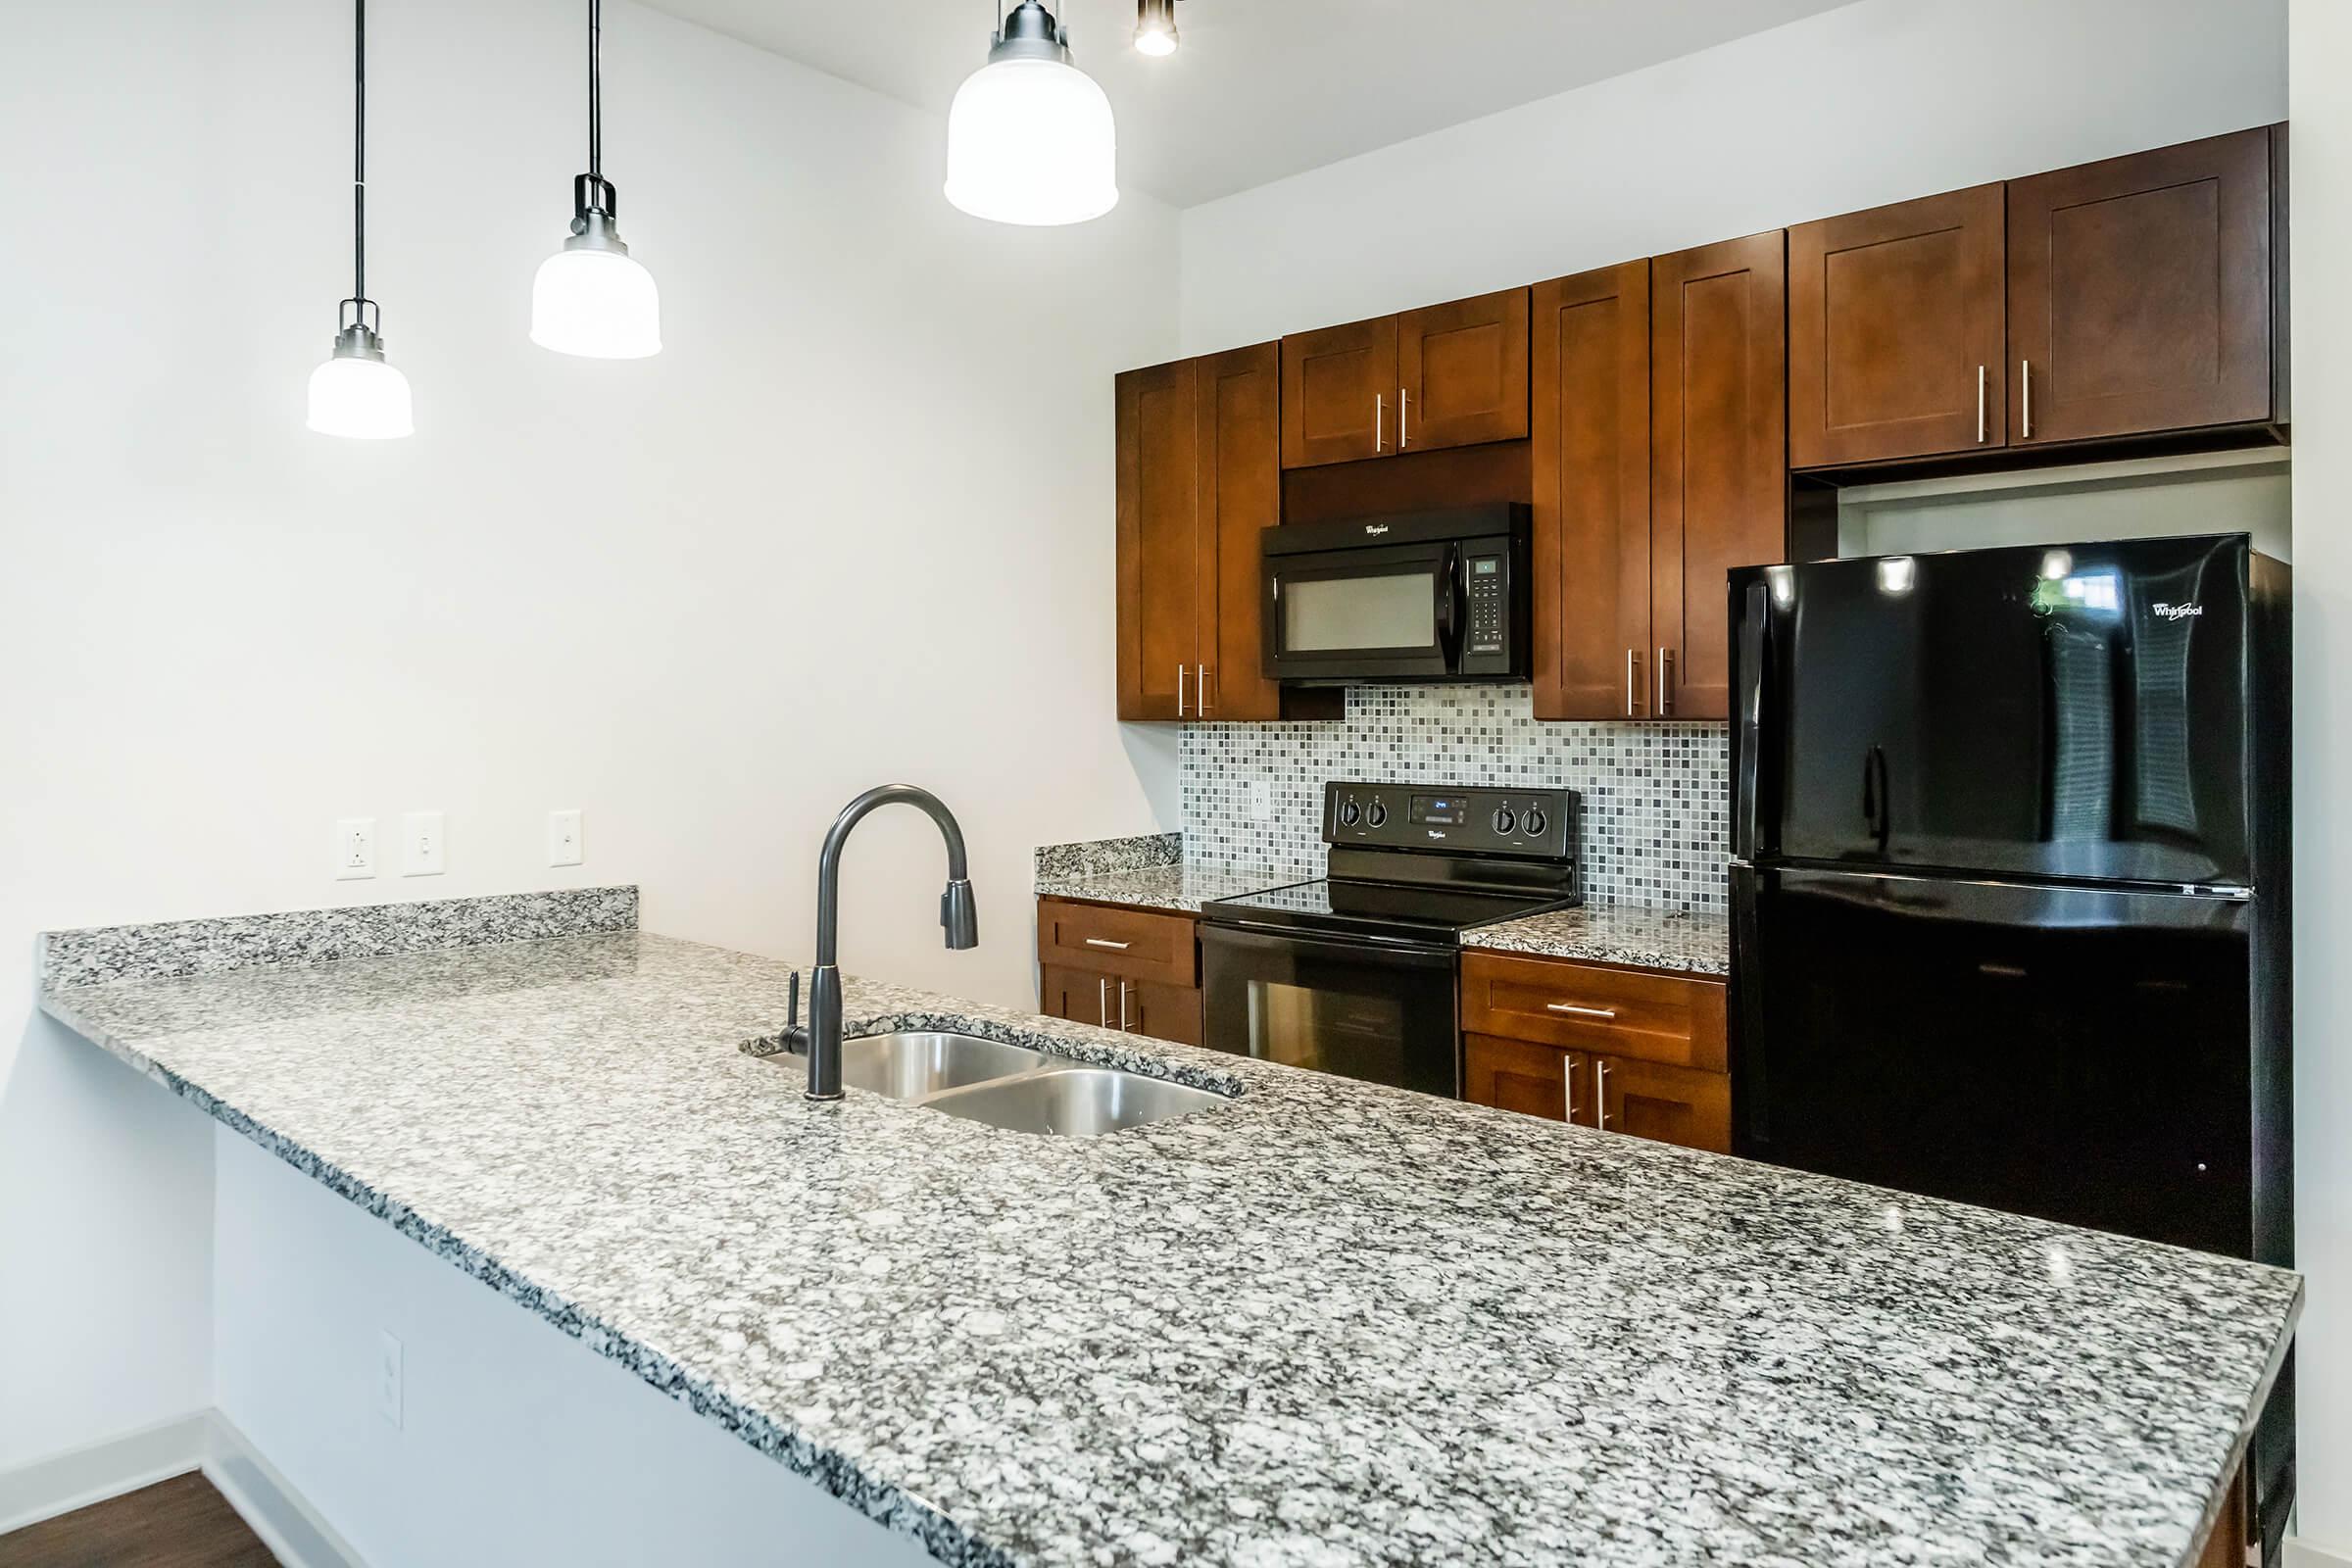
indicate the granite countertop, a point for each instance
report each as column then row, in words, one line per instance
column 1648, row 939
column 1328, row 1323
column 1183, row 888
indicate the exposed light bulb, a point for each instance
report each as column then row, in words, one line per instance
column 1031, row 139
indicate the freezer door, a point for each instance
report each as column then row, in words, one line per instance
column 2074, row 711
column 2075, row 1055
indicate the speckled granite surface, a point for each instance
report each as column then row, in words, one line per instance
column 1182, row 888
column 101, row 954
column 1101, row 855
column 1652, row 939
column 1326, row 1324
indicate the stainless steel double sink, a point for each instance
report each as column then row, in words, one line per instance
column 1011, row 1087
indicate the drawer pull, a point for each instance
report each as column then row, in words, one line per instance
column 1581, row 1012
column 1105, row 942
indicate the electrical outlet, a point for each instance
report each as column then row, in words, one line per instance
column 355, row 848
column 420, row 843
column 1258, row 800
column 388, row 1377
column 563, row 847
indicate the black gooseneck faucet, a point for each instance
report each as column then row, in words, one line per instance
column 960, row 920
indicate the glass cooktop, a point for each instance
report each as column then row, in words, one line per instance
column 1380, row 908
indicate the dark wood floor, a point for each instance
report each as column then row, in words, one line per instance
column 179, row 1523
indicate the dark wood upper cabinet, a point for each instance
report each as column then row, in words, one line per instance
column 1445, row 375
column 1162, row 584
column 1462, row 373
column 1338, row 393
column 1719, row 454
column 1199, row 478
column 1896, row 331
column 2140, row 292
column 1590, row 462
column 1239, row 490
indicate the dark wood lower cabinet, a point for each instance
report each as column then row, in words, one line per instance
column 1115, row 1001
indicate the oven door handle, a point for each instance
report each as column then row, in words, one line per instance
column 1390, row 950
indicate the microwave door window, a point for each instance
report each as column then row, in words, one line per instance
column 1339, row 614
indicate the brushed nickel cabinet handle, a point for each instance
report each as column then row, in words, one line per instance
column 1124, row 1026
column 1600, row 1093
column 1178, row 691
column 1580, row 1012
column 1568, row 1087
column 1405, row 420
column 2025, row 384
column 1380, row 420
column 1199, row 690
column 1105, row 942
column 1102, row 1002
column 1633, row 681
column 1980, row 403
column 1665, row 681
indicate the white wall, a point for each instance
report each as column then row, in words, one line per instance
column 516, row 1443
column 2321, row 114
column 851, row 525
column 1876, row 102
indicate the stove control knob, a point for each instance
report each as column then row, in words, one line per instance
column 1376, row 814
column 1349, row 813
column 1533, row 822
column 1505, row 820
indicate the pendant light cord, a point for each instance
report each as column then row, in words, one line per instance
column 358, row 151
column 595, row 88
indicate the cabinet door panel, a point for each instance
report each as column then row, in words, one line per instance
column 1241, row 496
column 1462, row 373
column 1591, row 461
column 1719, row 454
column 1162, row 1011
column 1895, row 330
column 1161, row 586
column 1338, row 393
column 1531, row 1079
column 2139, row 292
column 1081, row 996
column 1672, row 1105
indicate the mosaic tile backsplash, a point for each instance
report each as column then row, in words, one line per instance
column 1657, row 797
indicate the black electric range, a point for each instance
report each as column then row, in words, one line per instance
column 1356, row 972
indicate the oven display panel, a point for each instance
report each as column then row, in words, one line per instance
column 1440, row 811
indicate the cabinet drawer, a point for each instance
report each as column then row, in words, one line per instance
column 1134, row 943
column 1669, row 1019
column 1114, row 1002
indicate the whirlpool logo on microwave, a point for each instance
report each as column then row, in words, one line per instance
column 1376, row 529
column 2165, row 611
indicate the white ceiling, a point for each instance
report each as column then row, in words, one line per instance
column 1261, row 88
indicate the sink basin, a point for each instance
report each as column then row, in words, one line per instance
column 914, row 1065
column 1074, row 1102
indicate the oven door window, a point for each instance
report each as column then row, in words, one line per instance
column 1383, row 1015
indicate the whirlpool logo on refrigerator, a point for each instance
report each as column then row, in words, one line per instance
column 2165, row 611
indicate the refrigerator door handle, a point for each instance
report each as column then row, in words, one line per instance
column 1751, row 1101
column 1755, row 650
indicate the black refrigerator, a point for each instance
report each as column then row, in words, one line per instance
column 2009, row 889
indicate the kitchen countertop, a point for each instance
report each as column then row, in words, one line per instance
column 1328, row 1323
column 1649, row 938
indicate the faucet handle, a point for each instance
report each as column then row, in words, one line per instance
column 794, row 1033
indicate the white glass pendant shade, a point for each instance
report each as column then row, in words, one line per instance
column 597, row 304
column 1032, row 141
column 361, row 398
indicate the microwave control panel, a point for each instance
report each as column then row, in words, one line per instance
column 1479, row 821
column 1489, row 589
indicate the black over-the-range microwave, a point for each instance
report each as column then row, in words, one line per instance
column 1420, row 596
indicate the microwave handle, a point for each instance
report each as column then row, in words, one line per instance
column 1448, row 588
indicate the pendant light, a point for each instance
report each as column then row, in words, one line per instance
column 356, row 392
column 591, row 298
column 1030, row 137
column 1155, row 27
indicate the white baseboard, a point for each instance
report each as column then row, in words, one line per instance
column 46, row 1488
column 204, row 1440
column 293, row 1531
column 2303, row 1555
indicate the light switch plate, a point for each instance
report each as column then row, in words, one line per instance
column 420, row 847
column 1260, row 801
column 354, row 848
column 563, row 846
